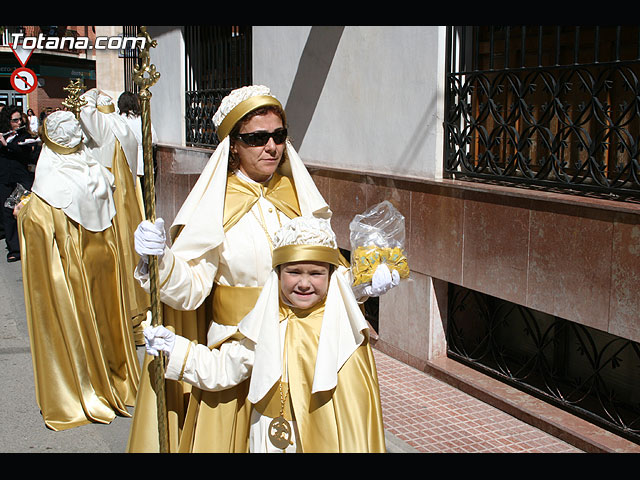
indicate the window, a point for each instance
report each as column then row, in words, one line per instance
column 550, row 106
column 218, row 60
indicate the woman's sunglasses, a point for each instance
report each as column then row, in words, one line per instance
column 259, row 139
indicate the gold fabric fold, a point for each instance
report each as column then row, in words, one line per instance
column 241, row 196
column 128, row 217
column 347, row 419
column 271, row 405
column 109, row 108
column 199, row 421
column 204, row 421
column 84, row 360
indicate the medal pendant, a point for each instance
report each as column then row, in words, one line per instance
column 280, row 433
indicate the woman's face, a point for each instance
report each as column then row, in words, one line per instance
column 259, row 162
column 16, row 120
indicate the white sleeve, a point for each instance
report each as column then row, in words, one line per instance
column 184, row 285
column 211, row 369
column 93, row 123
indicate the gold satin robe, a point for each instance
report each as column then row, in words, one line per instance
column 84, row 359
column 205, row 421
column 346, row 419
column 126, row 197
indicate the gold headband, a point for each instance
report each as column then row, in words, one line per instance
column 305, row 253
column 56, row 147
column 110, row 108
column 244, row 107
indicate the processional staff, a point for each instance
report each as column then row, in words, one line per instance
column 73, row 102
column 145, row 76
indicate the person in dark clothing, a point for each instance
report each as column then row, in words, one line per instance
column 18, row 150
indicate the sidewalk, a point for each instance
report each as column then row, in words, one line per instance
column 423, row 414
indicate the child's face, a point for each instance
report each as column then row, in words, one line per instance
column 304, row 284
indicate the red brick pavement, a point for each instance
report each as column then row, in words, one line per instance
column 430, row 416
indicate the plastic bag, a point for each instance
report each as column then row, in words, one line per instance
column 377, row 236
column 18, row 195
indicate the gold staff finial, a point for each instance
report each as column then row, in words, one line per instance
column 73, row 101
column 144, row 82
column 145, row 67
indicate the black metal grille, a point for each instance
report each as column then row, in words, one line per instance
column 557, row 107
column 218, row 60
column 591, row 373
column 130, row 58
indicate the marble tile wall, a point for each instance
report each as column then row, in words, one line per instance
column 574, row 257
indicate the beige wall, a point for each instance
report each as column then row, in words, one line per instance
column 109, row 68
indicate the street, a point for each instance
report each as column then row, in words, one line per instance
column 22, row 429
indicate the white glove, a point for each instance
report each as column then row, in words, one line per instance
column 382, row 281
column 159, row 339
column 150, row 239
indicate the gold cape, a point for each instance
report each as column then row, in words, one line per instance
column 346, row 419
column 84, row 360
column 128, row 216
column 198, row 420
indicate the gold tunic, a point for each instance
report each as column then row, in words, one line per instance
column 84, row 359
column 346, row 419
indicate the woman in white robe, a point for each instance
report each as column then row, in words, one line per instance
column 219, row 260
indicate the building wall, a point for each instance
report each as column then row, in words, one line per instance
column 167, row 101
column 110, row 66
column 358, row 97
column 365, row 107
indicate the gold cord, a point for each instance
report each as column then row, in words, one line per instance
column 263, row 223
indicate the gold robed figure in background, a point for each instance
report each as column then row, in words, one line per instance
column 113, row 144
column 84, row 359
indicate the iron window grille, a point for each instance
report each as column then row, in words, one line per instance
column 130, row 58
column 551, row 106
column 218, row 60
column 590, row 373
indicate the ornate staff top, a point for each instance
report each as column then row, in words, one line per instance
column 73, row 102
column 145, row 66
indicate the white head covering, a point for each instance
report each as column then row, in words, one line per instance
column 203, row 210
column 343, row 325
column 306, row 231
column 69, row 178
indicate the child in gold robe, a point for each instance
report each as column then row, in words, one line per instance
column 305, row 346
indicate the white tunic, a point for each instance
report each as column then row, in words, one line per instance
column 243, row 260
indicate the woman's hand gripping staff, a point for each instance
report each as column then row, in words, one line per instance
column 150, row 239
